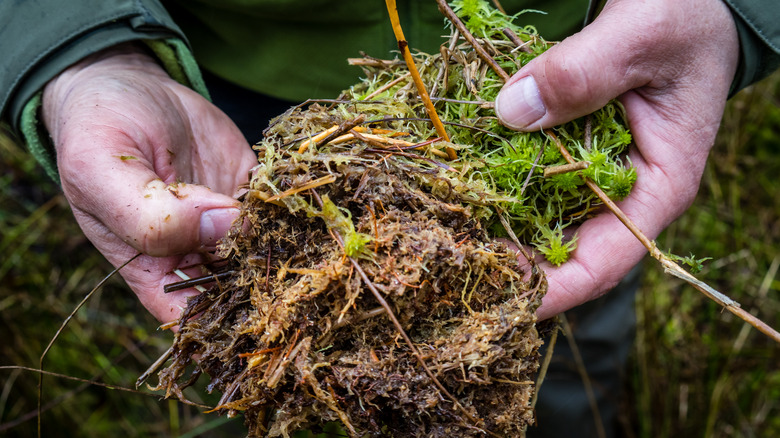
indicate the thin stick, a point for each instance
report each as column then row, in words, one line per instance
column 192, row 282
column 670, row 267
column 531, row 171
column 62, row 327
column 396, row 144
column 326, row 136
column 327, row 179
column 387, row 86
column 154, row 367
column 403, row 46
column 450, row 14
column 587, row 383
column 522, row 45
column 565, row 168
column 316, row 139
column 92, row 382
column 498, row 6
column 343, row 128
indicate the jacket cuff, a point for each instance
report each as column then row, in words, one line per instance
column 177, row 59
column 759, row 40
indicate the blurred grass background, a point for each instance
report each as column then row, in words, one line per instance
column 695, row 371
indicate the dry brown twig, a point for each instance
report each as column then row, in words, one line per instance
column 670, row 267
column 450, row 14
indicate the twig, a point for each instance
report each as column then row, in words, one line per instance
column 317, row 138
column 192, row 282
column 92, row 382
column 498, row 6
column 343, row 128
column 460, row 125
column 565, row 168
column 403, row 46
column 327, row 179
column 392, row 143
column 387, row 86
column 62, row 327
column 154, row 367
column 586, row 382
column 362, row 317
column 531, row 171
column 450, row 14
column 522, row 45
column 670, row 267
column 329, row 134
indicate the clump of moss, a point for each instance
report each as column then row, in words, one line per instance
column 509, row 163
column 363, row 283
column 294, row 338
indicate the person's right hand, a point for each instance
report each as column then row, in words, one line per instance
column 148, row 166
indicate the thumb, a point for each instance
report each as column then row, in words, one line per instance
column 573, row 78
column 175, row 218
column 150, row 215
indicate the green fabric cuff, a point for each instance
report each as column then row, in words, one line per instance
column 36, row 137
column 174, row 56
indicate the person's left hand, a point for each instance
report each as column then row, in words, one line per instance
column 671, row 63
column 148, row 165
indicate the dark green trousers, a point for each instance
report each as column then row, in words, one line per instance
column 604, row 332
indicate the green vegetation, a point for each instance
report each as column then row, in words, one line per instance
column 696, row 371
column 47, row 266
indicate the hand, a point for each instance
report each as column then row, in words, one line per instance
column 148, row 166
column 671, row 63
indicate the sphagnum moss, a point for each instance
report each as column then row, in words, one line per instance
column 363, row 282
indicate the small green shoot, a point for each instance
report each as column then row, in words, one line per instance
column 551, row 244
column 695, row 265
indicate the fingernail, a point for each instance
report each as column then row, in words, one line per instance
column 519, row 105
column 214, row 224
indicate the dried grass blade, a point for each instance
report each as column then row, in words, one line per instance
column 327, row 179
column 62, row 327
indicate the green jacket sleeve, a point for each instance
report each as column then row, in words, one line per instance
column 758, row 25
column 44, row 37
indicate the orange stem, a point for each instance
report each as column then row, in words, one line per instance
column 403, row 46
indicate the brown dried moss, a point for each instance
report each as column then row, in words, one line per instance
column 293, row 337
